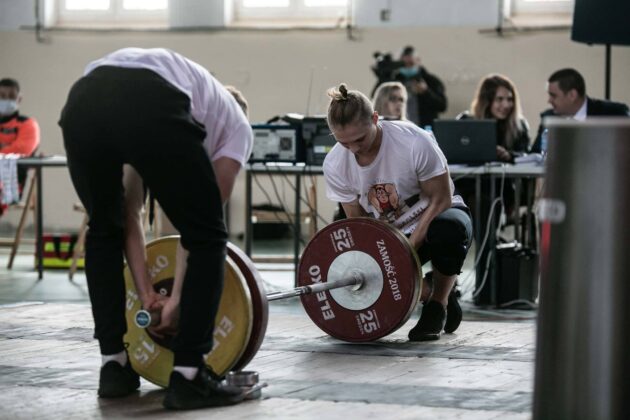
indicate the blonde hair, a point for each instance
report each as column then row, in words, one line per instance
column 347, row 107
column 382, row 94
column 240, row 98
column 482, row 104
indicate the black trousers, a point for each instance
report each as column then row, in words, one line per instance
column 448, row 239
column 117, row 116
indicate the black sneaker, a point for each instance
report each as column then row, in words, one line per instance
column 431, row 323
column 203, row 391
column 117, row 381
column 453, row 312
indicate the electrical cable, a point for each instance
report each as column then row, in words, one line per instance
column 294, row 188
column 466, row 174
column 498, row 200
column 289, row 218
column 268, row 197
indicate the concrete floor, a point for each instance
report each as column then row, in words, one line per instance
column 49, row 363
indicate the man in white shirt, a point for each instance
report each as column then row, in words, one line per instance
column 186, row 136
column 395, row 171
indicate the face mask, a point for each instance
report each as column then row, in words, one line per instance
column 409, row 71
column 8, row 106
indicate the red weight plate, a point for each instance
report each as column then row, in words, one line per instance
column 383, row 257
column 259, row 303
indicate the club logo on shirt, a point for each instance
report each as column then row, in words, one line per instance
column 385, row 200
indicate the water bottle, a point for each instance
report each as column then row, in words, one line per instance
column 543, row 142
column 429, row 130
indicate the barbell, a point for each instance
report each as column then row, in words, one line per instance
column 358, row 279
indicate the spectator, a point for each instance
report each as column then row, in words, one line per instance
column 567, row 96
column 426, row 93
column 498, row 99
column 390, row 101
column 18, row 133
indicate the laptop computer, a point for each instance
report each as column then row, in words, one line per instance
column 469, row 141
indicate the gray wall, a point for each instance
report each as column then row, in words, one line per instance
column 273, row 69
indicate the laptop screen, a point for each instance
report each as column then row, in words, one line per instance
column 468, row 141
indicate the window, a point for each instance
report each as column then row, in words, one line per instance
column 539, row 14
column 112, row 12
column 291, row 10
column 543, row 6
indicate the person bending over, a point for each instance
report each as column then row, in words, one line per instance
column 169, row 119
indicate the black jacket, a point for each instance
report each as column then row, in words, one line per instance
column 594, row 108
column 431, row 102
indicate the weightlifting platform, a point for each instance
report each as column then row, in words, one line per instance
column 49, row 369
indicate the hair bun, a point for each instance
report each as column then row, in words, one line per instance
column 343, row 89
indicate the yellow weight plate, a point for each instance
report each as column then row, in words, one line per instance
column 150, row 356
column 233, row 324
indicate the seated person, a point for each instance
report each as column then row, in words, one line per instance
column 398, row 157
column 390, row 101
column 567, row 96
column 18, row 133
column 497, row 99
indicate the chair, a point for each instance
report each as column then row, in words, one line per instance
column 78, row 251
column 27, row 203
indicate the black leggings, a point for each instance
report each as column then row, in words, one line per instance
column 448, row 239
column 115, row 116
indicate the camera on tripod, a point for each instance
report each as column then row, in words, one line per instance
column 385, row 67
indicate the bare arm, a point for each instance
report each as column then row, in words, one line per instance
column 226, row 170
column 354, row 209
column 135, row 251
column 438, row 190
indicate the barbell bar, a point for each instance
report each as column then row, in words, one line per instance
column 145, row 319
column 358, row 279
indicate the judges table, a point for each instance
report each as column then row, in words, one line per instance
column 493, row 171
column 38, row 163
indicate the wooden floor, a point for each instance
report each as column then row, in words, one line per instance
column 49, row 365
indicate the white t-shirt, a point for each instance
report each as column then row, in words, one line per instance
column 228, row 131
column 389, row 187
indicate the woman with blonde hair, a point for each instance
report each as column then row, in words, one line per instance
column 390, row 101
column 497, row 98
column 395, row 171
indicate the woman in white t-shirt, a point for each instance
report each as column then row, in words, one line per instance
column 395, row 171
column 185, row 135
